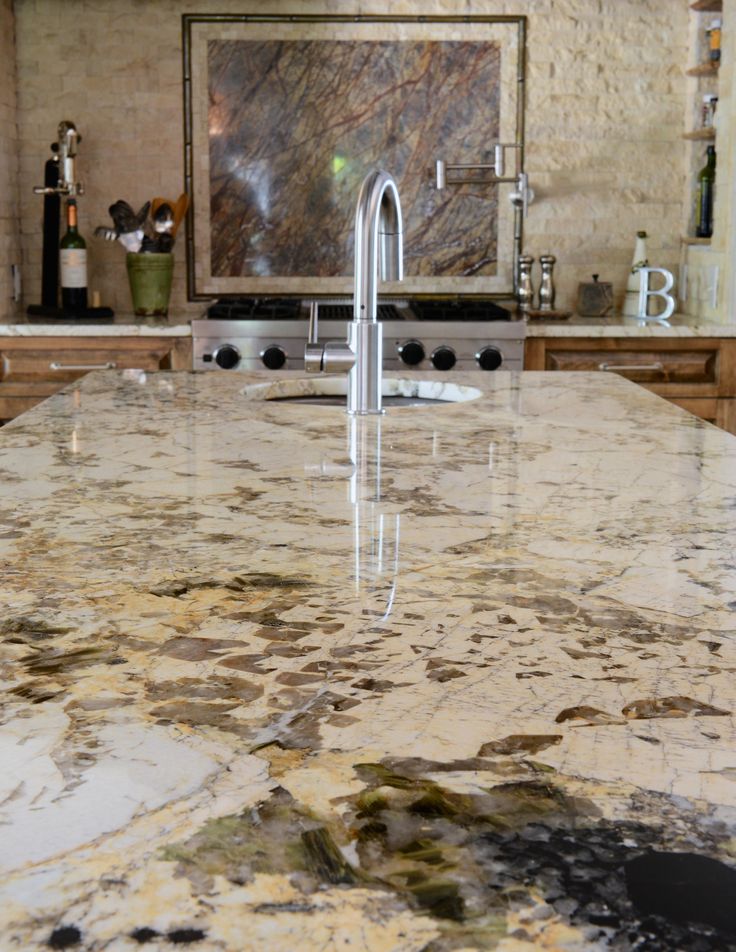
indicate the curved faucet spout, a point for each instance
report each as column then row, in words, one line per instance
column 379, row 246
column 379, row 241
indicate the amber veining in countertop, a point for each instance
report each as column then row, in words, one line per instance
column 470, row 688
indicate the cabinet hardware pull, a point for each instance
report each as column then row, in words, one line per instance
column 55, row 365
column 655, row 366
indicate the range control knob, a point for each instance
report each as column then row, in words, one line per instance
column 274, row 357
column 411, row 352
column 227, row 356
column 443, row 357
column 489, row 358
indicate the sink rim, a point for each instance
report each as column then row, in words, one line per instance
column 295, row 390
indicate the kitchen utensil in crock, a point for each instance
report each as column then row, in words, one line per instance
column 180, row 209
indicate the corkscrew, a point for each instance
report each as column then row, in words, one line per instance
column 65, row 153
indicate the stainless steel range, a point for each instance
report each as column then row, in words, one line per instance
column 458, row 334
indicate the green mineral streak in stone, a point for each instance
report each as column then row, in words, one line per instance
column 324, row 859
column 423, row 851
column 239, row 846
column 441, row 898
column 374, row 829
column 371, row 802
column 436, row 803
column 385, row 777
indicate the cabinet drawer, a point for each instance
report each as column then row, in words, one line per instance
column 32, row 369
column 655, row 365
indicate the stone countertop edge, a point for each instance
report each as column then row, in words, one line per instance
column 95, row 330
column 679, row 326
column 576, row 327
column 454, row 677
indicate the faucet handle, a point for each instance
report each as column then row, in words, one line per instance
column 313, row 351
column 313, row 336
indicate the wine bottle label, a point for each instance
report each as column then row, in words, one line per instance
column 73, row 267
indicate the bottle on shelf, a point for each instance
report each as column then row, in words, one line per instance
column 708, row 112
column 714, row 40
column 73, row 261
column 705, row 195
column 640, row 260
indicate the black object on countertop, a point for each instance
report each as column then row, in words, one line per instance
column 453, row 309
column 459, row 309
column 41, row 314
column 255, row 309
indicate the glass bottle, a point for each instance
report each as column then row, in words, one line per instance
column 714, row 40
column 73, row 261
column 705, row 194
column 640, row 260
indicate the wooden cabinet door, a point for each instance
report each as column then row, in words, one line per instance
column 33, row 368
column 697, row 374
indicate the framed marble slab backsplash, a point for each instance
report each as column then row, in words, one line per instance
column 284, row 116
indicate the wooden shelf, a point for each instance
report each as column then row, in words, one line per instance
column 700, row 134
column 703, row 69
column 707, row 6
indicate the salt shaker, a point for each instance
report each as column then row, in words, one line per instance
column 546, row 285
column 525, row 293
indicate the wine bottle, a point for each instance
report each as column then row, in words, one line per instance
column 73, row 259
column 705, row 195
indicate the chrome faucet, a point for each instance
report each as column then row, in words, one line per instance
column 379, row 244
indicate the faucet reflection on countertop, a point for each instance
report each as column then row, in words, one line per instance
column 375, row 530
column 378, row 245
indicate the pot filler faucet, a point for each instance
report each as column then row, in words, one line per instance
column 379, row 243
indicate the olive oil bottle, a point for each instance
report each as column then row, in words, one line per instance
column 705, row 195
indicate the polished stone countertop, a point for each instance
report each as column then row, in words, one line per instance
column 456, row 678
column 679, row 325
column 617, row 326
column 120, row 326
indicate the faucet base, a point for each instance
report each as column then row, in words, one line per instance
column 365, row 339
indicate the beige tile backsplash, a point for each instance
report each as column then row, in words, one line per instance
column 604, row 122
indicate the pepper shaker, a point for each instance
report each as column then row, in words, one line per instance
column 546, row 285
column 525, row 293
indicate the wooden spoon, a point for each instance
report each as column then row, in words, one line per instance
column 180, row 209
column 156, row 203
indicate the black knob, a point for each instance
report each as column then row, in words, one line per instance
column 443, row 357
column 274, row 357
column 227, row 356
column 490, row 358
column 411, row 352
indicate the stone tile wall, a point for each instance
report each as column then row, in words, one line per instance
column 9, row 221
column 604, row 121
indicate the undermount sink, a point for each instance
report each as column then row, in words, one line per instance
column 332, row 391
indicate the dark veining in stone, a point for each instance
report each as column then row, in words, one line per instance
column 467, row 859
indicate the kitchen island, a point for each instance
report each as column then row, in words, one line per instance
column 461, row 677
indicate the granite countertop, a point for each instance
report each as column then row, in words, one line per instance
column 679, row 325
column 461, row 677
column 120, row 326
column 127, row 326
